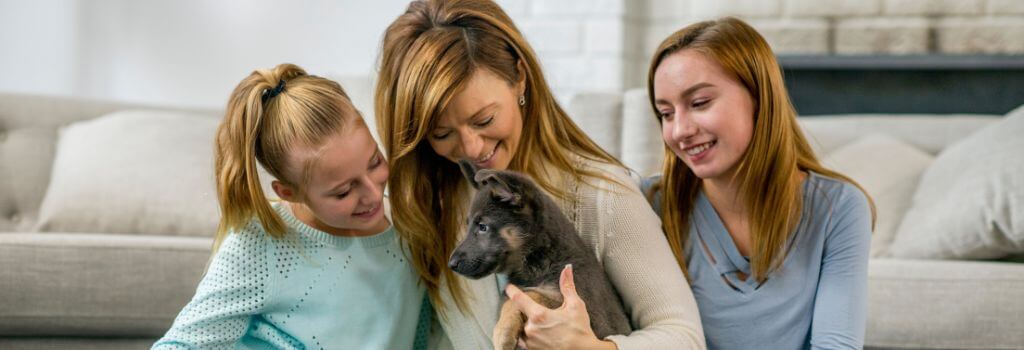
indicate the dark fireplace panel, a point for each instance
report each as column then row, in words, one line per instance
column 904, row 84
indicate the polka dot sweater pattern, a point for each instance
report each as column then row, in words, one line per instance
column 307, row 290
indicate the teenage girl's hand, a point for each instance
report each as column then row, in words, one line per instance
column 567, row 327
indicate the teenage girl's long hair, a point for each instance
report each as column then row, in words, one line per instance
column 778, row 149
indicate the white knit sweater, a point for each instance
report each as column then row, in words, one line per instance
column 626, row 235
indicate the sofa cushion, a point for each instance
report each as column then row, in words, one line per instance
column 928, row 132
column 970, row 203
column 70, row 284
column 28, row 135
column 134, row 172
column 934, row 304
column 889, row 170
column 597, row 114
column 642, row 148
column 77, row 343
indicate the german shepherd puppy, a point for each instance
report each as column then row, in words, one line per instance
column 516, row 229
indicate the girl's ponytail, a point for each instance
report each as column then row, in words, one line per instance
column 238, row 151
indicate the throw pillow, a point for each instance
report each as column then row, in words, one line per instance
column 134, row 172
column 970, row 203
column 889, row 170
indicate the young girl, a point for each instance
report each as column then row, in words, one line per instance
column 322, row 269
column 775, row 245
column 458, row 81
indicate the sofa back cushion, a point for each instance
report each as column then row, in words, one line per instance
column 28, row 132
column 930, row 133
column 889, row 170
column 134, row 172
column 970, row 203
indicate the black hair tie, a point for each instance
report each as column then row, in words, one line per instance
column 270, row 93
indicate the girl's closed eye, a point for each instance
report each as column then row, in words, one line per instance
column 342, row 195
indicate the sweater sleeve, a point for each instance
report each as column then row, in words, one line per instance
column 231, row 292
column 638, row 261
column 840, row 307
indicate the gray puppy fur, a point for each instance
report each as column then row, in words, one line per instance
column 517, row 230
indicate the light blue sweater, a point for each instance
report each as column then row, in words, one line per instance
column 308, row 290
column 817, row 300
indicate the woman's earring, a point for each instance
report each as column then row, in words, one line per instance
column 522, row 100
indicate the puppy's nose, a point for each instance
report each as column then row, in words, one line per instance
column 453, row 263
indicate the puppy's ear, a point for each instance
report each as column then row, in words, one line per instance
column 469, row 171
column 499, row 187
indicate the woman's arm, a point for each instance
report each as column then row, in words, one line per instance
column 840, row 307
column 637, row 259
column 231, row 292
column 626, row 235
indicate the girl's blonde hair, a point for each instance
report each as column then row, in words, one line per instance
column 777, row 150
column 271, row 112
column 429, row 53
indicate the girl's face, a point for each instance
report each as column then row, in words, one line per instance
column 345, row 188
column 707, row 116
column 482, row 123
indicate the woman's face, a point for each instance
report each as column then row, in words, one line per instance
column 707, row 116
column 482, row 123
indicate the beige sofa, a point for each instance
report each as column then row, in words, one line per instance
column 107, row 209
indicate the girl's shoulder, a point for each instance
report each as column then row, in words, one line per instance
column 253, row 237
column 845, row 206
column 651, row 189
column 834, row 191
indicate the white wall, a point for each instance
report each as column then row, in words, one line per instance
column 185, row 52
column 192, row 52
column 38, row 47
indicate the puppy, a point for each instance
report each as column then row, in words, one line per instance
column 517, row 230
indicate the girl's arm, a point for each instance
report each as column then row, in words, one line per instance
column 232, row 291
column 840, row 307
column 637, row 259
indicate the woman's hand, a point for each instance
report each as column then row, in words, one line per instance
column 567, row 327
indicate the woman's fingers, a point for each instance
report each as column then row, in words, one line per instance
column 567, row 284
column 524, row 303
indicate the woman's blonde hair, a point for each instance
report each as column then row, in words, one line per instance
column 777, row 150
column 271, row 112
column 429, row 53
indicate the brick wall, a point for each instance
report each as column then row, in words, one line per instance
column 605, row 45
column 583, row 44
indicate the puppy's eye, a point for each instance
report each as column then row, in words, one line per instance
column 481, row 228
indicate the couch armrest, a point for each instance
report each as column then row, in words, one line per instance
column 942, row 304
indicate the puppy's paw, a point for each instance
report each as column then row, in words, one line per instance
column 504, row 342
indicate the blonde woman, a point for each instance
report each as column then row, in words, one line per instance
column 321, row 269
column 458, row 81
column 775, row 245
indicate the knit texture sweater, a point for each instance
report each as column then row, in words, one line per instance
column 618, row 224
column 307, row 290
